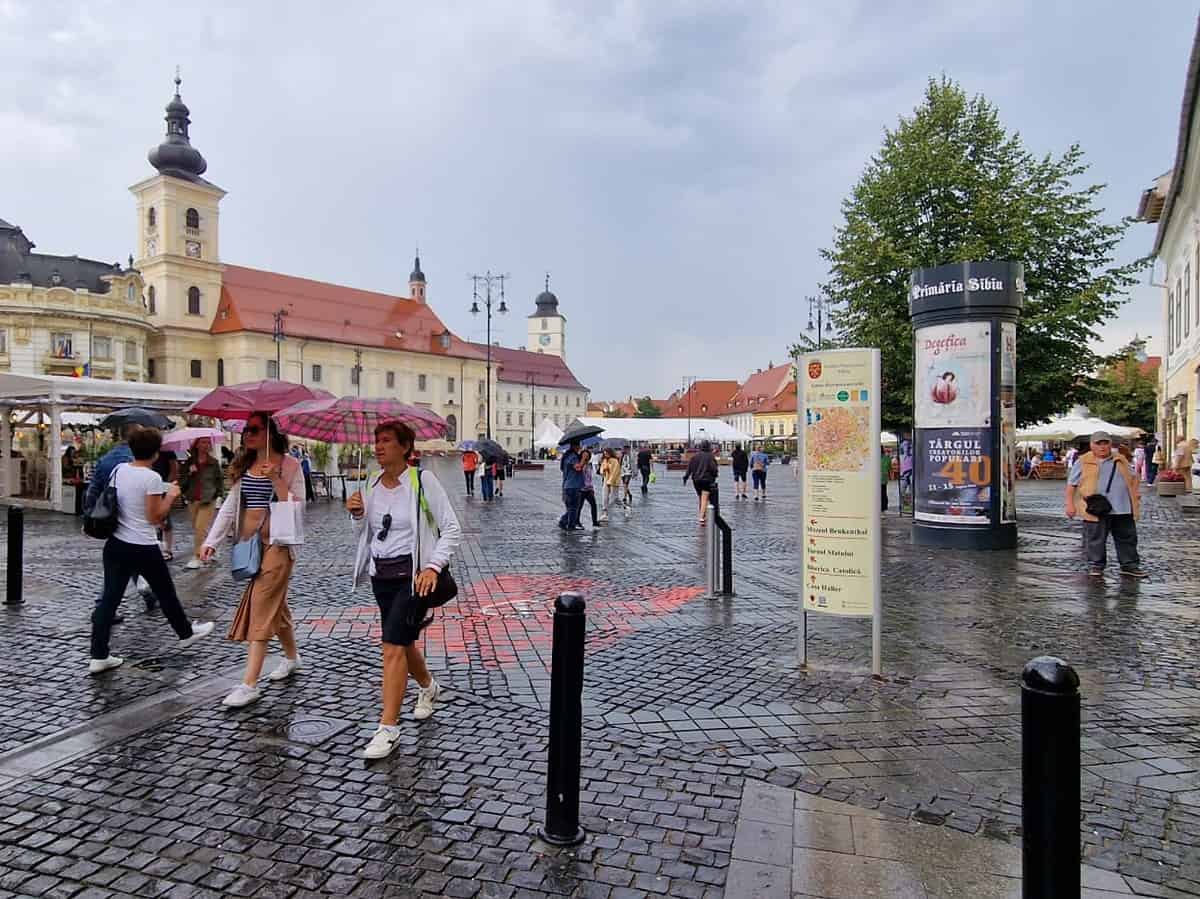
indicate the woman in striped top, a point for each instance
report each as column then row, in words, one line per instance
column 261, row 471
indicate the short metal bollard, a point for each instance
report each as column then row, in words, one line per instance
column 566, row 723
column 16, row 557
column 1050, row 780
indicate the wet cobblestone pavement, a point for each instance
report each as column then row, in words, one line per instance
column 140, row 783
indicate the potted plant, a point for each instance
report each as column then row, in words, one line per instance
column 1170, row 483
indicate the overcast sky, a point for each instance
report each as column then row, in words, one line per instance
column 675, row 164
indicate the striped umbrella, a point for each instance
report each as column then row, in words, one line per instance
column 352, row 419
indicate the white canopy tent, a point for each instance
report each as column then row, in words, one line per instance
column 29, row 397
column 547, row 435
column 665, row 430
column 1071, row 427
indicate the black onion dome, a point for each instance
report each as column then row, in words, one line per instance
column 547, row 303
column 175, row 155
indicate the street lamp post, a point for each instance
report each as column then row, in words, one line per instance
column 279, row 338
column 358, row 369
column 689, row 381
column 488, row 280
column 819, row 304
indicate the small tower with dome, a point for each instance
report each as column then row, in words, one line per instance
column 547, row 326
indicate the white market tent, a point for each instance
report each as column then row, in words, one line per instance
column 1071, row 427
column 26, row 399
column 547, row 435
column 665, row 430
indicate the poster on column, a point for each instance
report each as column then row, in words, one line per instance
column 953, row 376
column 840, row 460
column 954, row 475
column 1008, row 421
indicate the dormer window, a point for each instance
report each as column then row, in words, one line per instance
column 55, row 277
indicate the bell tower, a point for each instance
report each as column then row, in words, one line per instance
column 416, row 281
column 547, row 326
column 178, row 249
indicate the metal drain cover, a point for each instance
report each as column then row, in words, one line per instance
column 311, row 730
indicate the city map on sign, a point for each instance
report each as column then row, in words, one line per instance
column 837, row 438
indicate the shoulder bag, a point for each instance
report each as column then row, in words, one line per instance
column 101, row 519
column 445, row 589
column 1097, row 504
column 246, row 558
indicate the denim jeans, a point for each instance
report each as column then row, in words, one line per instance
column 121, row 562
column 487, row 486
column 572, row 500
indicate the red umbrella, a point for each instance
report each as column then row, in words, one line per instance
column 238, row 401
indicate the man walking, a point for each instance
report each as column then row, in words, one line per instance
column 741, row 465
column 758, row 471
column 643, row 462
column 1103, row 491
column 572, row 484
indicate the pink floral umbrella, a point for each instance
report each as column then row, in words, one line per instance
column 352, row 419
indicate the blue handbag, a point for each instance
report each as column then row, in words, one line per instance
column 246, row 558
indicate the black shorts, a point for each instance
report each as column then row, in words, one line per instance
column 702, row 487
column 401, row 615
column 739, row 476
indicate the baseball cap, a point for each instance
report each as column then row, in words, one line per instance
column 1101, row 437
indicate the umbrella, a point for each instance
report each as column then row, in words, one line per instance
column 578, row 435
column 490, row 450
column 147, row 418
column 351, row 419
column 467, row 445
column 614, row 443
column 240, row 400
column 185, row 437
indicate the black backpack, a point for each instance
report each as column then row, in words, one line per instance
column 100, row 521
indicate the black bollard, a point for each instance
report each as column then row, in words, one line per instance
column 566, row 723
column 1050, row 779
column 726, row 558
column 16, row 556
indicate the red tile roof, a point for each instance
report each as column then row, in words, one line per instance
column 708, row 399
column 784, row 401
column 517, row 366
column 320, row 311
column 760, row 387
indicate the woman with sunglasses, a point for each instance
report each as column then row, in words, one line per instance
column 407, row 534
column 261, row 470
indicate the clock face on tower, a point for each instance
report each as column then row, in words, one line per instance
column 193, row 249
column 544, row 340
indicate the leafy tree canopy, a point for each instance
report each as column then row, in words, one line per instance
column 647, row 409
column 950, row 184
column 1124, row 390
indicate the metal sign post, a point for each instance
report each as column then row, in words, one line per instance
column 840, row 474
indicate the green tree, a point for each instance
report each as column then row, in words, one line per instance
column 1124, row 392
column 950, row 184
column 615, row 413
column 647, row 409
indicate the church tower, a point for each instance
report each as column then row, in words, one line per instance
column 178, row 250
column 547, row 327
column 416, row 281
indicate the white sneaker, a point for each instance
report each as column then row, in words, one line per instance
column 193, row 564
column 385, row 740
column 241, row 695
column 285, row 668
column 425, row 700
column 95, row 666
column 200, row 630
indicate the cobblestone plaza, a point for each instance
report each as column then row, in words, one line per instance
column 712, row 765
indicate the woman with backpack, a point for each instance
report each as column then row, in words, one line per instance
column 261, row 472
column 407, row 532
column 142, row 501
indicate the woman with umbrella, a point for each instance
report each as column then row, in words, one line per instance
column 407, row 533
column 262, row 469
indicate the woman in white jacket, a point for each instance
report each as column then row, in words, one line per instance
column 403, row 544
column 261, row 470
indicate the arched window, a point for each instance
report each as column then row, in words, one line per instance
column 192, row 218
column 151, row 217
column 452, row 428
column 193, row 300
column 151, row 302
column 220, row 372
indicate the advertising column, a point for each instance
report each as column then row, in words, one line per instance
column 964, row 403
column 838, row 409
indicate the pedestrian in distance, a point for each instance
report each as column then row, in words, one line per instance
column 143, row 502
column 1153, row 459
column 1102, row 490
column 572, row 467
column 703, row 472
column 644, row 460
column 740, row 463
column 499, row 472
column 300, row 454
column 885, row 472
column 167, row 467
column 758, row 474
column 487, row 481
column 588, row 493
column 626, row 478
column 470, row 462
column 1183, row 460
column 262, row 472
column 610, row 474
column 407, row 534
column 203, row 484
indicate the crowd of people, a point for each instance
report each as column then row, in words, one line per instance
column 615, row 468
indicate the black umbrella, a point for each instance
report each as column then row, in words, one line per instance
column 136, row 415
column 490, row 450
column 577, row 435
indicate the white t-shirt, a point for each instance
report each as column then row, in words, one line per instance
column 396, row 502
column 133, row 485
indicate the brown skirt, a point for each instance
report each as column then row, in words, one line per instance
column 263, row 611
